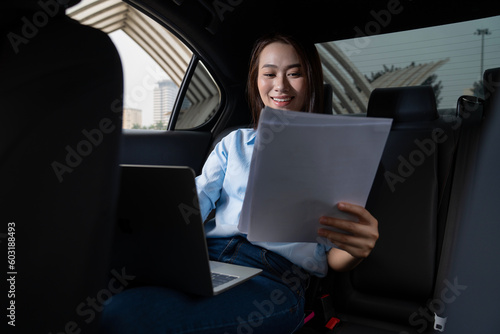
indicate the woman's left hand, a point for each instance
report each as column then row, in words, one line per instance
column 360, row 237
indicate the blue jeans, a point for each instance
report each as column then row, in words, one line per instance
column 272, row 302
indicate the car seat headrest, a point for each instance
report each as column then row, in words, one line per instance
column 491, row 82
column 403, row 104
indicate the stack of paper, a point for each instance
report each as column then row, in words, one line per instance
column 303, row 164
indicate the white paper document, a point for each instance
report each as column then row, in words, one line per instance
column 303, row 164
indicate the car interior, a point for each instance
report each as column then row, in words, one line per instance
column 434, row 268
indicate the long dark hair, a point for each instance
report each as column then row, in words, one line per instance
column 310, row 61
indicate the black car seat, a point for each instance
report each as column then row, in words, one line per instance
column 389, row 291
column 467, row 284
column 61, row 92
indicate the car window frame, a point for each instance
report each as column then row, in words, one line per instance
column 186, row 80
column 181, row 94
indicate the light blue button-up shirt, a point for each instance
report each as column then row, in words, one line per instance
column 222, row 185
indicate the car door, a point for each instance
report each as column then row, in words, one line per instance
column 187, row 138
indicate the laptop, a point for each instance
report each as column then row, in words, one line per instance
column 159, row 234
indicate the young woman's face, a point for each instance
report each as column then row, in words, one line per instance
column 281, row 79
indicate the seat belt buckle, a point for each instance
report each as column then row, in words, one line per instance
column 332, row 323
column 439, row 322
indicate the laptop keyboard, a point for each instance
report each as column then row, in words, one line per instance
column 218, row 279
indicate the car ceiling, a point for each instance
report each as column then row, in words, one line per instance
column 222, row 31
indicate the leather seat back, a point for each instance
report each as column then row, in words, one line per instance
column 61, row 90
column 399, row 276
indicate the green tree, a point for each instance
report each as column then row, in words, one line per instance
column 137, row 126
column 158, row 126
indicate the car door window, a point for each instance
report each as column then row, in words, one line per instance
column 200, row 102
column 155, row 64
column 451, row 58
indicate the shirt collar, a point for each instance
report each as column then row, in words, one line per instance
column 251, row 138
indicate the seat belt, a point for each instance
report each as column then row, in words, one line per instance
column 470, row 112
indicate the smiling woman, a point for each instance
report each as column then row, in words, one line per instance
column 294, row 82
column 281, row 76
column 281, row 82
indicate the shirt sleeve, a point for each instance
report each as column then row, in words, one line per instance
column 209, row 182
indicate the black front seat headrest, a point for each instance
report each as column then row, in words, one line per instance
column 403, row 104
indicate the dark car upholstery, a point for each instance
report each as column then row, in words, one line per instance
column 61, row 89
column 387, row 289
column 467, row 250
column 148, row 147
